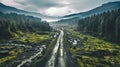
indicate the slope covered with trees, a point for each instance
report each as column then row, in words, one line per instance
column 105, row 25
column 12, row 23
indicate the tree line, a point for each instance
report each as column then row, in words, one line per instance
column 105, row 25
column 14, row 22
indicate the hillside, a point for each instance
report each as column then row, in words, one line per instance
column 106, row 27
column 10, row 24
column 103, row 8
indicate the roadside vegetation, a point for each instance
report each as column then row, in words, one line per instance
column 94, row 52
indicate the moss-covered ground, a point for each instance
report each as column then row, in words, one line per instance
column 95, row 52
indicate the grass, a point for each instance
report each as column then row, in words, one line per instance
column 27, row 37
column 34, row 38
column 95, row 52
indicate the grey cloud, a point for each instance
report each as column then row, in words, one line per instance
column 20, row 2
column 38, row 5
column 43, row 5
column 85, row 5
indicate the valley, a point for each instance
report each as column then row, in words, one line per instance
column 86, row 39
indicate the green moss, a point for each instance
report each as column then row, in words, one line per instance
column 33, row 38
column 2, row 60
column 81, row 64
column 27, row 37
column 95, row 52
column 13, row 53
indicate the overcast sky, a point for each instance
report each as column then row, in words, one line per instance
column 55, row 7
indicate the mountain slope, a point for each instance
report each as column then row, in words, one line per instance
column 72, row 19
column 8, row 9
column 97, row 10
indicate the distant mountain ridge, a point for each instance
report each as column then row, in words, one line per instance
column 97, row 10
column 9, row 9
column 72, row 19
column 103, row 8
